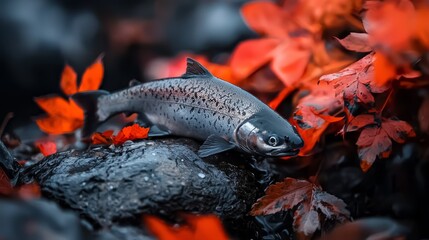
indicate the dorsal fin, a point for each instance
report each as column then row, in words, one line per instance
column 134, row 82
column 194, row 69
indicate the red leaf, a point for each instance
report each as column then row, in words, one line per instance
column 376, row 141
column 250, row 55
column 265, row 18
column 357, row 42
column 310, row 201
column 5, row 185
column 359, row 122
column 47, row 147
column 58, row 125
column 313, row 115
column 356, row 82
column 59, row 107
column 102, row 138
column 198, row 227
column 68, row 82
column 132, row 132
column 384, row 70
column 92, row 77
column 390, row 24
column 290, row 61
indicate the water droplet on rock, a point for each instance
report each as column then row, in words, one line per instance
column 201, row 175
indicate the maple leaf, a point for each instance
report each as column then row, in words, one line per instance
column 132, row 132
column 46, row 147
column 375, row 139
column 313, row 115
column 197, row 227
column 102, row 138
column 64, row 115
column 28, row 191
column 358, row 42
column 355, row 83
column 306, row 199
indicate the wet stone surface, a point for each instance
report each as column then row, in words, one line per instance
column 109, row 185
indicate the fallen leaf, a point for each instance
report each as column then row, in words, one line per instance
column 64, row 115
column 68, row 82
column 105, row 137
column 375, row 139
column 46, row 147
column 356, row 83
column 93, row 76
column 265, row 18
column 132, row 132
column 250, row 55
column 314, row 113
column 357, row 42
column 197, row 227
column 311, row 204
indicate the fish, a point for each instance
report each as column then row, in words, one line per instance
column 197, row 105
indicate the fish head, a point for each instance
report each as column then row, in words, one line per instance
column 268, row 135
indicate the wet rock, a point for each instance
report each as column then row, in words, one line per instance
column 37, row 219
column 110, row 185
column 123, row 233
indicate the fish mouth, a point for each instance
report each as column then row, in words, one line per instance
column 283, row 153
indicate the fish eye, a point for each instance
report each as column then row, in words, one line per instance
column 273, row 140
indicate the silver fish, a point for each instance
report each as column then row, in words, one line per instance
column 200, row 106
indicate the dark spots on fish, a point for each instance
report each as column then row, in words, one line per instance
column 192, row 109
column 243, row 113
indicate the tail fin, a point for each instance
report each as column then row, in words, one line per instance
column 88, row 102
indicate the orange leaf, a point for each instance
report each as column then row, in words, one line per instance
column 289, row 62
column 92, row 77
column 197, row 227
column 58, row 106
column 47, row 147
column 384, row 70
column 102, row 138
column 265, row 18
column 357, row 42
column 68, row 82
column 131, row 133
column 58, row 125
column 251, row 55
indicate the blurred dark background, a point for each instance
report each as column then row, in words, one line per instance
column 37, row 37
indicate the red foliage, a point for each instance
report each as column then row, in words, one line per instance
column 47, row 147
column 375, row 139
column 63, row 115
column 306, row 199
column 197, row 227
column 132, row 132
column 26, row 191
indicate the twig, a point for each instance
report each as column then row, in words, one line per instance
column 6, row 120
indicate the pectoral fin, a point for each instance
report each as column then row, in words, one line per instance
column 155, row 131
column 213, row 145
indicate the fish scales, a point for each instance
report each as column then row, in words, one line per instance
column 200, row 106
column 192, row 107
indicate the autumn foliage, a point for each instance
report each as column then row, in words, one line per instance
column 340, row 65
column 63, row 114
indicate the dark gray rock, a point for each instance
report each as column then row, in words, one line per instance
column 37, row 219
column 162, row 177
